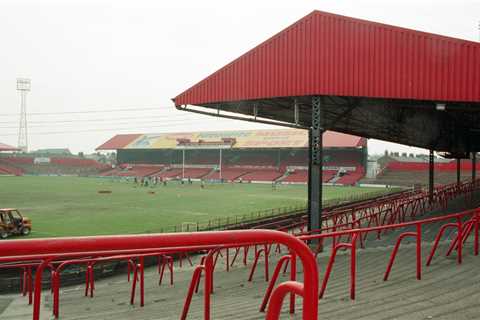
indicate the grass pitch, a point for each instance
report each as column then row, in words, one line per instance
column 72, row 206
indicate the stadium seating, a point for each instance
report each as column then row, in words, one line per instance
column 76, row 162
column 297, row 176
column 350, row 178
column 263, row 175
column 202, row 158
column 109, row 172
column 327, row 175
column 245, row 173
column 170, row 173
column 301, row 176
column 134, row 171
column 10, row 170
column 423, row 166
column 55, row 166
column 228, row 174
column 18, row 160
column 249, row 159
column 409, row 178
column 260, row 165
column 161, row 171
column 408, row 173
column 196, row 173
column 296, row 159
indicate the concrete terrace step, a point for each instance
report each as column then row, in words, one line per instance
column 447, row 290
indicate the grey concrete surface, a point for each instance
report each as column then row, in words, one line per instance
column 447, row 290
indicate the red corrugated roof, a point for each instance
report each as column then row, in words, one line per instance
column 333, row 139
column 6, row 147
column 329, row 54
column 118, row 142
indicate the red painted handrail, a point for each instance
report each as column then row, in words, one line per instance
column 51, row 249
column 475, row 217
column 391, row 211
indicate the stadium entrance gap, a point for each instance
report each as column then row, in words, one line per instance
column 331, row 72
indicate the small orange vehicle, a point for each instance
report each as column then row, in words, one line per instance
column 12, row 222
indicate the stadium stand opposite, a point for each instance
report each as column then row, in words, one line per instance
column 10, row 170
column 408, row 171
column 369, row 236
column 298, row 176
column 134, row 171
column 25, row 164
column 7, row 168
column 229, row 174
column 250, row 156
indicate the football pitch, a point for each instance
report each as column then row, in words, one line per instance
column 73, row 206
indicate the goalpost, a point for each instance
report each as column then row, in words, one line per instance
column 189, row 226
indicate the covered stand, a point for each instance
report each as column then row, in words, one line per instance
column 331, row 72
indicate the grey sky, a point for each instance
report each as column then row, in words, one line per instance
column 100, row 55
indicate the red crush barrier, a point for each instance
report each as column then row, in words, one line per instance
column 353, row 261
column 279, row 294
column 276, row 273
column 193, row 287
column 418, row 237
column 380, row 217
column 475, row 218
column 207, row 266
column 457, row 243
column 266, row 252
column 52, row 249
column 167, row 261
column 457, row 225
column 89, row 276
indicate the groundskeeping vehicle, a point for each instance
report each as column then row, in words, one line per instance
column 12, row 222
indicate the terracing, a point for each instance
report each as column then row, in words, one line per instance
column 410, row 178
column 447, row 289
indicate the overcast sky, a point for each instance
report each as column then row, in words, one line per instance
column 85, row 56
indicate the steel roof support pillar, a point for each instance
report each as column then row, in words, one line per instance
column 458, row 171
column 315, row 167
column 430, row 176
column 220, row 165
column 474, row 166
column 183, row 164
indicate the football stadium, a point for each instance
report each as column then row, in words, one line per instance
column 297, row 222
column 261, row 173
column 248, row 156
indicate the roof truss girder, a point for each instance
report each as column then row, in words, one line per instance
column 410, row 122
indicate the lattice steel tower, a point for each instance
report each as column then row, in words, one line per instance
column 23, row 86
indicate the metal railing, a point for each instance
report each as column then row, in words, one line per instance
column 355, row 223
column 355, row 231
column 47, row 251
column 244, row 220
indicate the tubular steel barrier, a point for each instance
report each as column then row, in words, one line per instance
column 352, row 228
column 266, row 252
column 55, row 249
column 457, row 243
column 391, row 209
column 207, row 265
column 346, row 227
